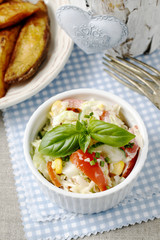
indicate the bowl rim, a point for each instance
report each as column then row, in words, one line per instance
column 134, row 173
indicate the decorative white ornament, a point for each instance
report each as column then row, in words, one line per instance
column 92, row 33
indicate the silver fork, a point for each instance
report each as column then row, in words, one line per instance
column 136, row 75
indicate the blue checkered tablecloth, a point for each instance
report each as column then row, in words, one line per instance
column 44, row 220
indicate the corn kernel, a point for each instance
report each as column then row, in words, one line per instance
column 117, row 168
column 57, row 165
column 56, row 107
column 101, row 106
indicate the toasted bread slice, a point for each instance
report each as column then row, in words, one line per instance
column 31, row 47
column 8, row 39
column 13, row 12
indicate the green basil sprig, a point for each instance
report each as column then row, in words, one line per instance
column 65, row 139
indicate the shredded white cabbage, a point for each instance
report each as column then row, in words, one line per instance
column 114, row 154
column 71, row 178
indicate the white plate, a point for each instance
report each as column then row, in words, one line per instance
column 59, row 51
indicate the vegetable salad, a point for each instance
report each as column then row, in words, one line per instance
column 85, row 146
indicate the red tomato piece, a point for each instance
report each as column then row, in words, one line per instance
column 94, row 172
column 105, row 116
column 132, row 151
column 129, row 166
column 52, row 175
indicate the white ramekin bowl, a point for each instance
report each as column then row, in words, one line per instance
column 86, row 203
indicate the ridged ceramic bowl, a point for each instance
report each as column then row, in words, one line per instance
column 77, row 202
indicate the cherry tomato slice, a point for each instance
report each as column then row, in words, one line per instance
column 94, row 172
column 129, row 166
column 105, row 116
column 52, row 175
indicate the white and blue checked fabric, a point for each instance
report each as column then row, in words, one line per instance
column 44, row 220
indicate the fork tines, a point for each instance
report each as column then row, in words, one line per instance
column 136, row 75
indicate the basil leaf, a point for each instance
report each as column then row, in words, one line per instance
column 80, row 126
column 61, row 141
column 109, row 133
column 84, row 141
